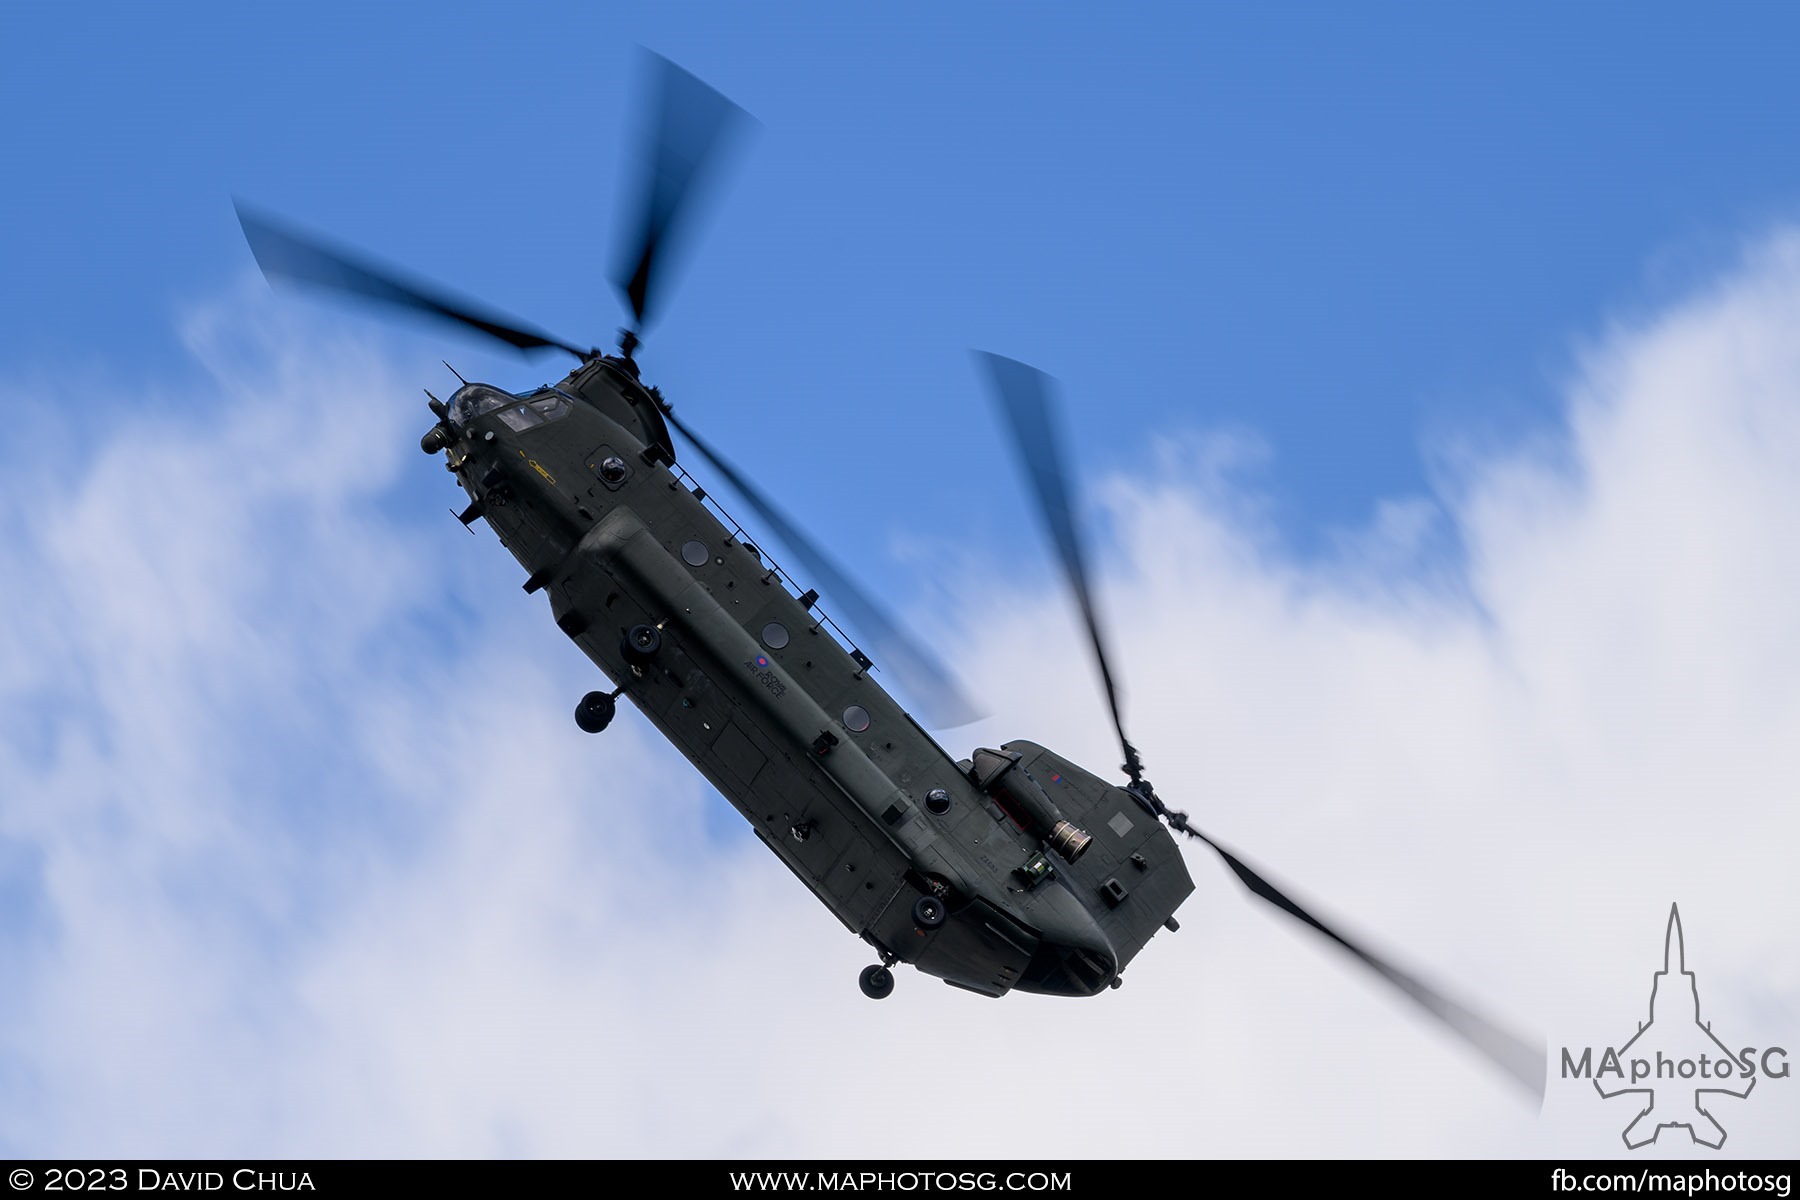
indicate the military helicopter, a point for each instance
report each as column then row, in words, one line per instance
column 1014, row 869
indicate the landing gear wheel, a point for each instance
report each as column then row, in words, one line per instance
column 640, row 644
column 595, row 712
column 929, row 912
column 877, row 982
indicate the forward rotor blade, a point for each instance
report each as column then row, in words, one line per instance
column 1024, row 394
column 925, row 678
column 1516, row 1056
column 692, row 127
column 284, row 253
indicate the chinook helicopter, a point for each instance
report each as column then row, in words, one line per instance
column 1013, row 869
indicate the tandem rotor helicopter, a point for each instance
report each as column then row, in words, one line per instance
column 1013, row 869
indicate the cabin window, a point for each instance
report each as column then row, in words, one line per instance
column 775, row 635
column 856, row 718
column 694, row 554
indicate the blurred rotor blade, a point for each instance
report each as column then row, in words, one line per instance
column 1024, row 394
column 1513, row 1054
column 692, row 127
column 285, row 253
column 923, row 677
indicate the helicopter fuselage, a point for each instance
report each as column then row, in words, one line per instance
column 1011, row 870
column 962, row 869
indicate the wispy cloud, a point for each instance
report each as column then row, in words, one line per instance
column 301, row 853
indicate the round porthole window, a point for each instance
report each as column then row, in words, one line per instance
column 694, row 554
column 856, row 718
column 775, row 635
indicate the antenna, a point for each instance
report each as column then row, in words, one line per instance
column 454, row 372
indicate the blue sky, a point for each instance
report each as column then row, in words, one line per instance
column 1341, row 229
column 1429, row 374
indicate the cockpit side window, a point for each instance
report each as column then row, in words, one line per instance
column 551, row 405
column 538, row 410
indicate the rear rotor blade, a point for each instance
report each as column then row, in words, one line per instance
column 1024, row 394
column 1513, row 1054
column 692, row 127
column 284, row 253
column 920, row 672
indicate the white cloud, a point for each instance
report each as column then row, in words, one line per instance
column 300, row 852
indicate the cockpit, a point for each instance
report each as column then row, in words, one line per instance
column 520, row 413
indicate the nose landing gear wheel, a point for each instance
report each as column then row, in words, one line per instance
column 929, row 912
column 877, row 982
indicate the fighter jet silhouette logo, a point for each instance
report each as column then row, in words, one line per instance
column 1685, row 1052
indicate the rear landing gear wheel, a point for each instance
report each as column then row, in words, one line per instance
column 877, row 982
column 640, row 644
column 595, row 712
column 929, row 912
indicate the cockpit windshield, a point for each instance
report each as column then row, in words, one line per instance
column 472, row 400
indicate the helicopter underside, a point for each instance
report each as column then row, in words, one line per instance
column 821, row 762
